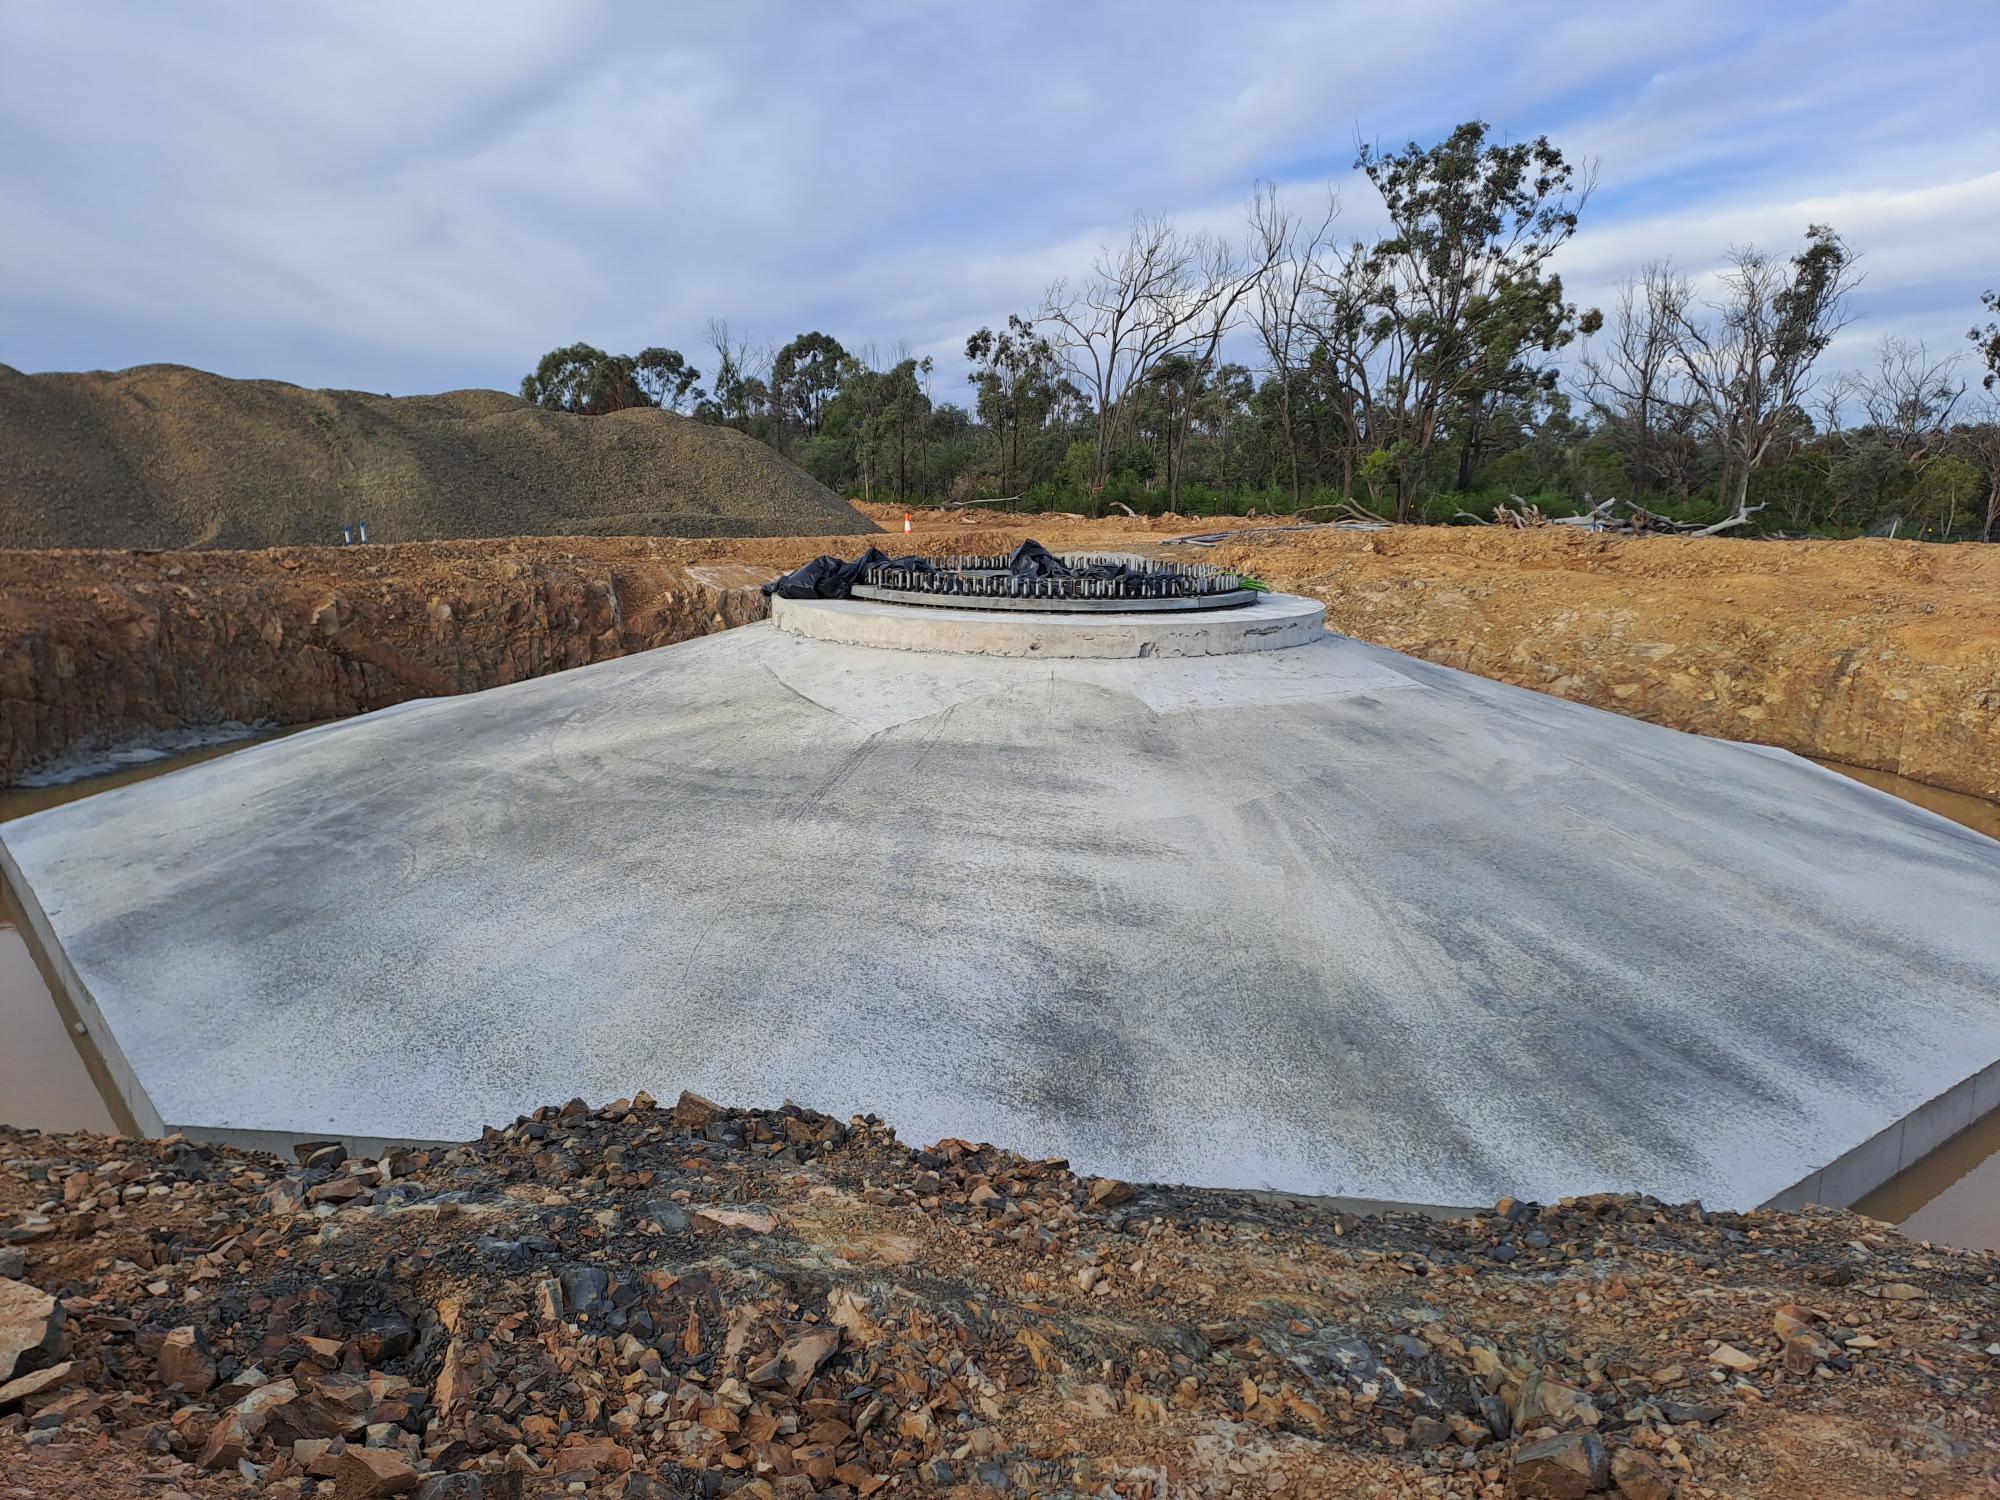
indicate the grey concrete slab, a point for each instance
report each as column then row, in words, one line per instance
column 1272, row 623
column 1324, row 919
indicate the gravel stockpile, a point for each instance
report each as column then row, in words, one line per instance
column 165, row 456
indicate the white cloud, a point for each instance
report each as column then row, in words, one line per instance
column 412, row 197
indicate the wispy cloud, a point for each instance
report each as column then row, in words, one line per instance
column 406, row 198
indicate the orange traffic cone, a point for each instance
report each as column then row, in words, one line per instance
column 906, row 522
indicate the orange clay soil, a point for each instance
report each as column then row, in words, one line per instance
column 1879, row 654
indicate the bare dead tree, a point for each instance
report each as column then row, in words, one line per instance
column 1632, row 382
column 1750, row 361
column 1285, row 292
column 1226, row 280
column 1911, row 396
column 1119, row 322
column 1160, row 293
column 741, row 387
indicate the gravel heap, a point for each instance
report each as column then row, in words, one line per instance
column 166, row 456
column 692, row 1301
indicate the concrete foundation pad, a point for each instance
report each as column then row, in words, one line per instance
column 1324, row 920
column 1274, row 622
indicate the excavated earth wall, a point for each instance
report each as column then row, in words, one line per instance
column 1878, row 654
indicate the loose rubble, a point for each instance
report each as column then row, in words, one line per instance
column 643, row 1302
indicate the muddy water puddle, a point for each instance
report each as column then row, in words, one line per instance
column 1950, row 1197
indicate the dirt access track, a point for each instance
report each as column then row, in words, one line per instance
column 1879, row 654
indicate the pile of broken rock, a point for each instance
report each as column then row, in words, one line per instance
column 691, row 1301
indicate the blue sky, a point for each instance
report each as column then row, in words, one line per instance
column 412, row 198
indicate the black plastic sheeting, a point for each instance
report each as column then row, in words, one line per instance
column 830, row 578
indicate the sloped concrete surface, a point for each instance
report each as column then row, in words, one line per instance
column 1323, row 919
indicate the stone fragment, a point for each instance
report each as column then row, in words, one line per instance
column 712, row 1217
column 1108, row 1192
column 1638, row 1476
column 669, row 1215
column 230, row 1439
column 382, row 1337
column 185, row 1361
column 803, row 1356
column 363, row 1472
column 456, row 1378
column 1565, row 1467
column 58, row 1411
column 1733, row 1358
column 1429, row 1432
column 1803, row 1352
column 591, row 1455
column 228, row 1443
column 31, row 1328
column 1901, row 1291
column 694, row 1111
column 585, row 1289
column 1469, row 1432
column 451, row 1487
column 1544, row 1399
column 19, row 1389
column 549, row 1300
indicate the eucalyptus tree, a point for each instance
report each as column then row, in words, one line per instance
column 1749, row 356
column 583, row 379
column 1632, row 384
column 1987, row 341
column 667, row 380
column 1911, row 396
column 1460, row 301
column 805, row 376
column 1018, row 375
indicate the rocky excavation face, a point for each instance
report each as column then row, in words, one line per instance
column 637, row 1301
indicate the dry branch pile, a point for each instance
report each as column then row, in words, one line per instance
column 1636, row 521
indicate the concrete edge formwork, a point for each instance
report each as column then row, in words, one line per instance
column 1854, row 1174
column 116, row 1079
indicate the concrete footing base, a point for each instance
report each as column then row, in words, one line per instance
column 1323, row 920
column 1273, row 623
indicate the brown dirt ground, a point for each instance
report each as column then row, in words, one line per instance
column 1879, row 654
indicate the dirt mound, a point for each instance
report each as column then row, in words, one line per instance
column 165, row 456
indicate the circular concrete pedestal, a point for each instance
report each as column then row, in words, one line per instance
column 1274, row 622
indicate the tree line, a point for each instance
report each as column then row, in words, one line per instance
column 1430, row 372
